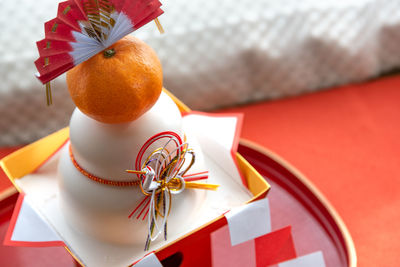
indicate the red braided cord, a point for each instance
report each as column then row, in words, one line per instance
column 98, row 179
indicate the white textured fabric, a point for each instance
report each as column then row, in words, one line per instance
column 214, row 53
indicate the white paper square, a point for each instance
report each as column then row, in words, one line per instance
column 31, row 227
column 150, row 260
column 249, row 221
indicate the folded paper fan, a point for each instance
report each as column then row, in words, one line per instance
column 84, row 28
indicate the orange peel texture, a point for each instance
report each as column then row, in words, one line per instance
column 119, row 84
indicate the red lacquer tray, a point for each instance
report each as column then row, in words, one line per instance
column 293, row 201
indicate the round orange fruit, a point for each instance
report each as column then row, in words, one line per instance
column 118, row 84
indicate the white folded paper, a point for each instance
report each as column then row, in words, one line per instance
column 150, row 260
column 249, row 221
column 30, row 226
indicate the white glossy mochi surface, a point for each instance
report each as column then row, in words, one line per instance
column 107, row 150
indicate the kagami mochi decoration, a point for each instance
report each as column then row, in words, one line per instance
column 131, row 183
column 128, row 158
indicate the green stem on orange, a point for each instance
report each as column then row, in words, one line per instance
column 109, row 53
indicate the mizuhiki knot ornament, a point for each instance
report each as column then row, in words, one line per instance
column 162, row 174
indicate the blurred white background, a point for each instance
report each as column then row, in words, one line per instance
column 214, row 54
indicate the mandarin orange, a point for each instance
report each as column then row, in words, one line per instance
column 118, row 84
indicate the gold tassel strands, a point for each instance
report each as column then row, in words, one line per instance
column 49, row 98
column 159, row 26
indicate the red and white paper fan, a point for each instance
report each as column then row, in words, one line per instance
column 83, row 28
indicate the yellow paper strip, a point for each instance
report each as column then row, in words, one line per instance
column 194, row 185
column 255, row 182
column 28, row 158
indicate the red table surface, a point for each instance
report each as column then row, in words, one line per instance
column 347, row 142
column 4, row 181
